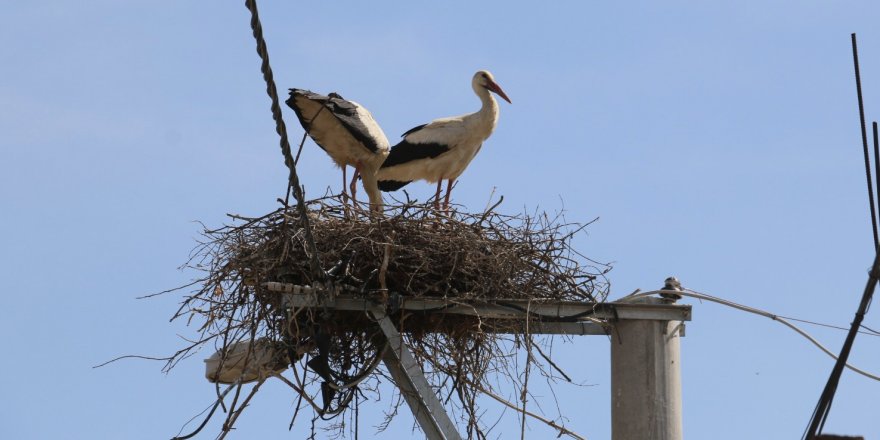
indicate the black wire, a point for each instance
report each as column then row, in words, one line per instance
column 823, row 407
column 877, row 176
column 865, row 143
column 877, row 172
column 210, row 415
column 870, row 330
column 820, row 324
column 437, row 309
column 546, row 318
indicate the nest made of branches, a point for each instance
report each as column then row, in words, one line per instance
column 410, row 251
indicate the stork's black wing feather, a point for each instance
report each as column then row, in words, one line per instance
column 407, row 152
column 344, row 111
column 392, row 185
column 347, row 114
column 413, row 130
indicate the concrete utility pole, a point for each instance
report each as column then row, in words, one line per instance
column 646, row 378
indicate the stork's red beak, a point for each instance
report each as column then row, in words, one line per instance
column 497, row 89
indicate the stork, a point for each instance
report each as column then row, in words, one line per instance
column 347, row 132
column 443, row 148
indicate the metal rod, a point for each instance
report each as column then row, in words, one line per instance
column 555, row 311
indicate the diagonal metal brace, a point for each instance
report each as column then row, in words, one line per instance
column 421, row 399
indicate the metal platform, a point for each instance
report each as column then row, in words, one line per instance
column 553, row 318
column 645, row 350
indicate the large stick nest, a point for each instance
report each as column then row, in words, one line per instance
column 411, row 251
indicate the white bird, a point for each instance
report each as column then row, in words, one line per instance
column 347, row 132
column 443, row 148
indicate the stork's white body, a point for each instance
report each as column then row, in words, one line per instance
column 462, row 135
column 347, row 132
column 443, row 148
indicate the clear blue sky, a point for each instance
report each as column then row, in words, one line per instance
column 716, row 142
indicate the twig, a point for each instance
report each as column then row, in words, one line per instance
column 227, row 427
column 383, row 270
column 552, row 364
column 552, row 424
column 133, row 356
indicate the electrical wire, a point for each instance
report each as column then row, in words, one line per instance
column 823, row 407
column 360, row 377
column 545, row 318
column 836, row 327
column 782, row 320
column 870, row 330
column 865, row 144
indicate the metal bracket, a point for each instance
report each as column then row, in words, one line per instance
column 511, row 308
column 421, row 399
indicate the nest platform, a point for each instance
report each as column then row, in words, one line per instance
column 410, row 252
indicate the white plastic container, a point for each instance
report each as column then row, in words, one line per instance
column 266, row 359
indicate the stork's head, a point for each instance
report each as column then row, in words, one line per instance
column 484, row 80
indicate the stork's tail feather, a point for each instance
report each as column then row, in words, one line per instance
column 392, row 185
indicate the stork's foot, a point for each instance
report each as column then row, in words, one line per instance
column 359, row 208
column 446, row 210
column 375, row 211
column 346, row 204
column 449, row 184
column 441, row 210
column 353, row 190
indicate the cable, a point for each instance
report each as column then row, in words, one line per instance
column 836, row 327
column 281, row 129
column 876, row 176
column 210, row 414
column 869, row 329
column 360, row 378
column 545, row 318
column 865, row 142
column 823, row 407
column 766, row 314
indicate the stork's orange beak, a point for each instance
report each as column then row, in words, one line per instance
column 497, row 89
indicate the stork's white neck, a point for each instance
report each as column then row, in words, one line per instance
column 487, row 116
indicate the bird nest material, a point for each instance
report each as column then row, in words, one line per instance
column 412, row 251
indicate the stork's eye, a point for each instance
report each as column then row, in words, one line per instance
column 485, row 76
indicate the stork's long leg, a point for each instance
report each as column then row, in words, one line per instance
column 448, row 191
column 354, row 179
column 437, row 195
column 344, row 182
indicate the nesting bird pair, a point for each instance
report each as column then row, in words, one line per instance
column 437, row 151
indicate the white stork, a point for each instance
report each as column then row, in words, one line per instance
column 443, row 148
column 347, row 132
